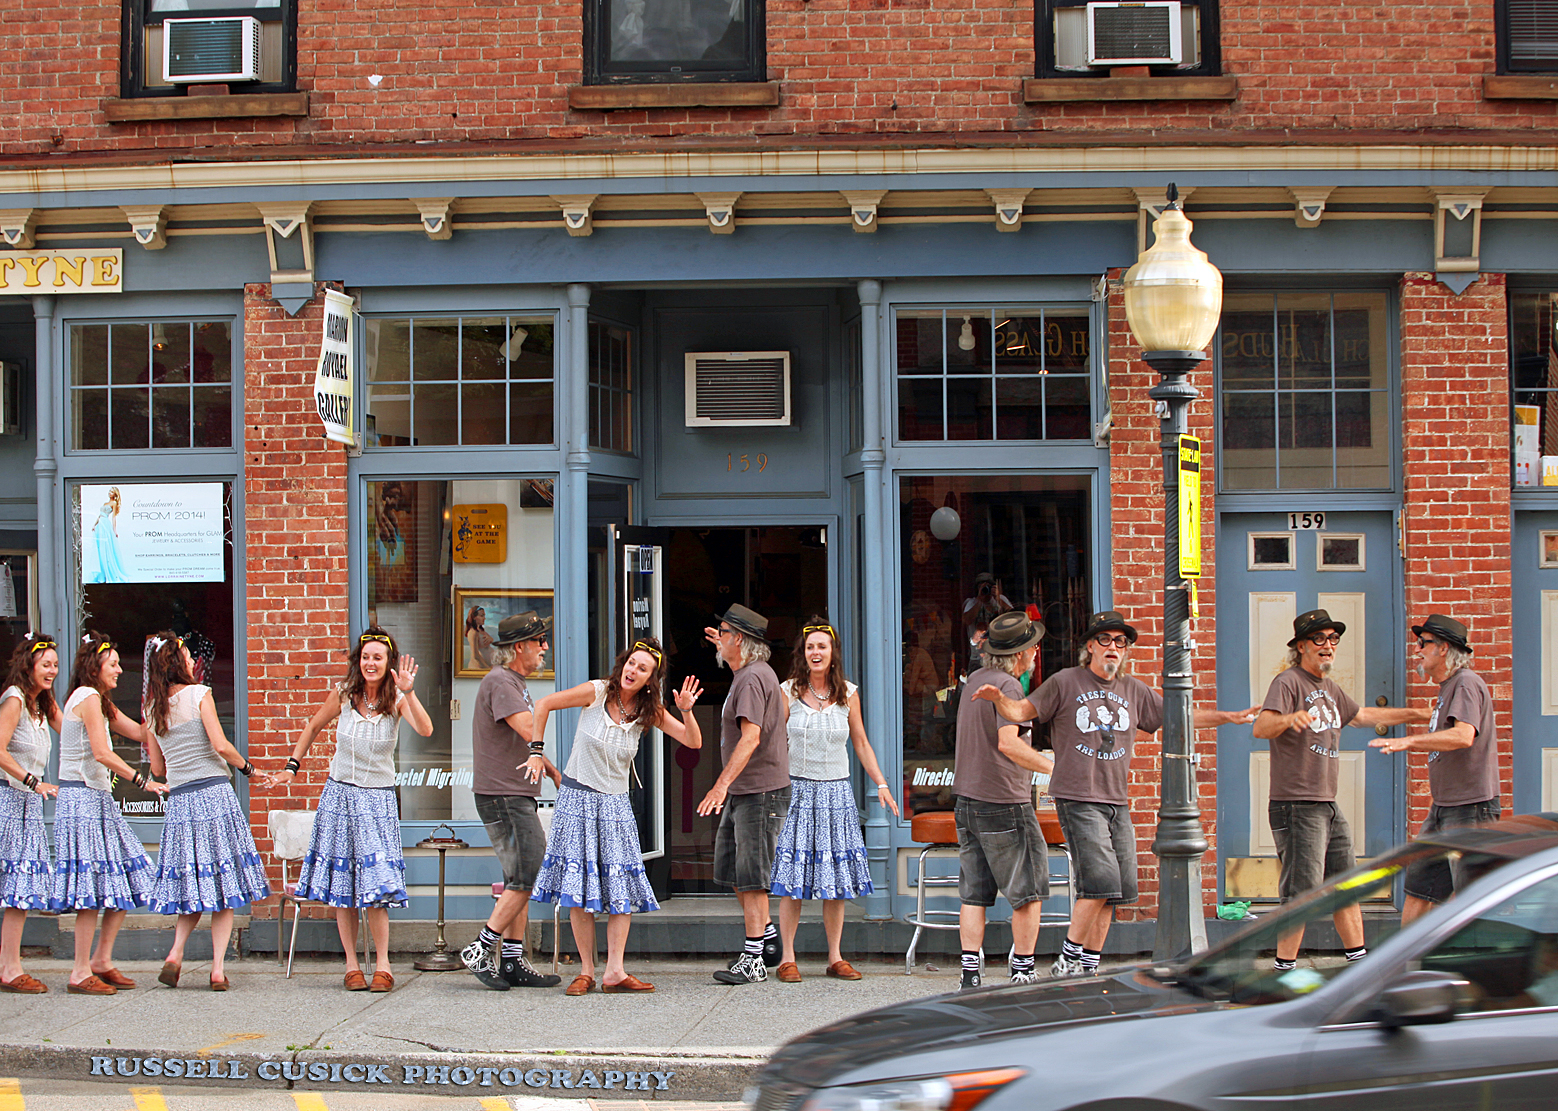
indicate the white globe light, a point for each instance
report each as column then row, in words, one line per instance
column 945, row 524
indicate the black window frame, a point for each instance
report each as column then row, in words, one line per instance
column 137, row 16
column 599, row 70
column 1211, row 64
column 1503, row 62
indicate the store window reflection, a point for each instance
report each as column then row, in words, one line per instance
column 972, row 547
column 446, row 562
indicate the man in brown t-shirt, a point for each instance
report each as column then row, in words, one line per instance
column 1094, row 712
column 752, row 793
column 1462, row 743
column 1303, row 717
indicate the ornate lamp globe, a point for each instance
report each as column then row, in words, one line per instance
column 1173, row 295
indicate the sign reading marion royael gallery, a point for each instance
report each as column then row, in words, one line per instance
column 335, row 378
column 94, row 270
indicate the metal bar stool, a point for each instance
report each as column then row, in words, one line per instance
column 938, row 832
column 1055, row 842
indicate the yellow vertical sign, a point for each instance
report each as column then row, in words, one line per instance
column 1189, row 507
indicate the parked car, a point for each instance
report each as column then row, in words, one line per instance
column 1457, row 1010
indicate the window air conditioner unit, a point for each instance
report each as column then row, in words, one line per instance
column 737, row 389
column 1134, row 34
column 222, row 49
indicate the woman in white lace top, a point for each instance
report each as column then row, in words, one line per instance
column 593, row 862
column 821, row 854
column 359, row 818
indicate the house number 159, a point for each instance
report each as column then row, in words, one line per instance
column 747, row 462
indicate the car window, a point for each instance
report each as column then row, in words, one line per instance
column 1508, row 953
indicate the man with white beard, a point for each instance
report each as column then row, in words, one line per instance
column 1303, row 717
column 1094, row 713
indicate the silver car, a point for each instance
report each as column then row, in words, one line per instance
column 1458, row 1010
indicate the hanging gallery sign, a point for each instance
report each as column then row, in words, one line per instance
column 153, row 532
column 335, row 378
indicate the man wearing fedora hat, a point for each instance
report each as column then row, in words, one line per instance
column 501, row 724
column 1094, row 711
column 752, row 793
column 993, row 787
column 1303, row 717
column 1462, row 743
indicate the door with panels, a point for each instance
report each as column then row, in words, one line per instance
column 1272, row 567
column 1535, row 580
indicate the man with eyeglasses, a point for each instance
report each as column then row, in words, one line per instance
column 502, row 720
column 1303, row 717
column 1462, row 747
column 1094, row 711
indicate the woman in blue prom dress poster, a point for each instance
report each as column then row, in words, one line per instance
column 105, row 536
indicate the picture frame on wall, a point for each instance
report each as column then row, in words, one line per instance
column 477, row 613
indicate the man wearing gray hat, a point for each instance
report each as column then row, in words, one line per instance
column 1303, row 717
column 1462, row 743
column 752, row 793
column 501, row 742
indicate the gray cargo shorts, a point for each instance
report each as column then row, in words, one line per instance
column 1314, row 843
column 747, row 838
column 1000, row 850
column 516, row 836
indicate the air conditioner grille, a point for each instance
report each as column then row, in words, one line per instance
column 1131, row 32
column 1533, row 30
column 739, row 390
column 225, row 48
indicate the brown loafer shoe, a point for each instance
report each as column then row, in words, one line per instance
column 91, row 986
column 843, row 970
column 382, row 982
column 581, row 985
column 355, row 981
column 24, row 985
column 219, row 983
column 170, row 973
column 788, row 973
column 116, row 978
column 626, row 986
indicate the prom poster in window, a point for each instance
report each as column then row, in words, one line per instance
column 152, row 533
column 392, row 546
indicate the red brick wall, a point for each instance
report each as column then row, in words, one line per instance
column 1136, row 509
column 1455, row 412
column 482, row 70
column 295, row 552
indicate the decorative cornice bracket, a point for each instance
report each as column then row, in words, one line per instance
column 1008, row 207
column 435, row 213
column 16, row 227
column 148, row 224
column 862, row 208
column 1459, row 203
column 578, row 213
column 721, row 211
column 1309, row 204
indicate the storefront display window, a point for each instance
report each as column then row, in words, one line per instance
column 990, row 373
column 1533, row 354
column 1305, row 391
column 442, row 381
column 446, row 562
column 151, row 384
column 973, row 547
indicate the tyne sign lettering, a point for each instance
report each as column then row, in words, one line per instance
column 100, row 270
column 584, row 1081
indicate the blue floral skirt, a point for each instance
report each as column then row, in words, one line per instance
column 820, row 854
column 355, row 858
column 208, row 861
column 593, row 859
column 24, row 850
column 99, row 862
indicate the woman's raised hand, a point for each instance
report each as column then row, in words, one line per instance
column 406, row 673
column 689, row 693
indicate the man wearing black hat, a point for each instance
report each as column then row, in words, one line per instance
column 752, row 793
column 1094, row 711
column 1303, row 717
column 1462, row 743
column 1000, row 847
column 501, row 742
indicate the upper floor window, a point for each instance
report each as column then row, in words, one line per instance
column 977, row 373
column 627, row 41
column 151, row 384
column 1527, row 33
column 459, row 381
column 1533, row 379
column 1304, row 387
column 248, row 45
column 611, row 387
column 1072, row 41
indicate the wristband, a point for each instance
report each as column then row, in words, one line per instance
column 139, row 780
column 293, row 765
column 31, row 781
column 537, row 748
column 247, row 768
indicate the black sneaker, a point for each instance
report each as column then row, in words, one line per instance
column 519, row 973
column 971, row 979
column 771, row 951
column 748, row 968
column 478, row 958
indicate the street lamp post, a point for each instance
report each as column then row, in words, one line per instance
column 1173, row 298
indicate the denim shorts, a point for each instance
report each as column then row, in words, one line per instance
column 1314, row 843
column 1436, row 880
column 516, row 836
column 1000, row 850
column 1102, row 843
column 747, row 838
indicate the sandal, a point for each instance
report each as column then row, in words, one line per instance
column 116, row 978
column 382, row 982
column 355, row 982
column 91, row 986
column 24, row 985
column 628, row 985
column 581, row 985
column 219, row 983
column 170, row 973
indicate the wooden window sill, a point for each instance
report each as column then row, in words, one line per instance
column 705, row 94
column 1510, row 86
column 1053, row 90
column 232, row 107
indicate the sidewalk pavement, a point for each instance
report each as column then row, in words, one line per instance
column 437, row 1032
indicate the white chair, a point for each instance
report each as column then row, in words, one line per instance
column 291, row 832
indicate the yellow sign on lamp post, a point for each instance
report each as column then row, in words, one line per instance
column 1189, row 507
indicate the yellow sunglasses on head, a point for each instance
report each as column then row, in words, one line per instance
column 820, row 629
column 640, row 646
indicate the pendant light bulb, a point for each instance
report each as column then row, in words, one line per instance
column 966, row 336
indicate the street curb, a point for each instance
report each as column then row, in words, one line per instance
column 555, row 1075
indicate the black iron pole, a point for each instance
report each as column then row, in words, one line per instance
column 1180, row 841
